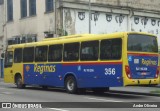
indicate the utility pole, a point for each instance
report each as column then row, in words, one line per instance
column 89, row 10
column 55, row 18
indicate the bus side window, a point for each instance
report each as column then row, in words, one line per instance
column 41, row 53
column 8, row 59
column 71, row 52
column 89, row 50
column 116, row 48
column 106, row 49
column 55, row 53
column 18, row 55
column 111, row 49
column 28, row 54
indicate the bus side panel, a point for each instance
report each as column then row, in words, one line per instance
column 90, row 76
column 43, row 74
column 54, row 76
column 29, row 76
column 8, row 75
column 87, row 76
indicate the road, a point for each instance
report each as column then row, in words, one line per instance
column 9, row 93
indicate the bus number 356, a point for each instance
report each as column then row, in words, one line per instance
column 110, row 71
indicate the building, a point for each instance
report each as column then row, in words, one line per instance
column 111, row 16
column 1, row 24
column 27, row 20
column 1, row 34
column 32, row 20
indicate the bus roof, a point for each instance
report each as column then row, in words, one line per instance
column 75, row 38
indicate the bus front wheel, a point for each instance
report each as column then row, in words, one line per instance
column 71, row 85
column 19, row 82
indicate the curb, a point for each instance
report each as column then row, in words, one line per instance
column 136, row 93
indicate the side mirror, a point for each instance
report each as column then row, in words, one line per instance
column 2, row 55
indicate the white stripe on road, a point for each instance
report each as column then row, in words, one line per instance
column 105, row 100
column 2, row 88
column 13, row 89
column 57, row 109
column 7, row 93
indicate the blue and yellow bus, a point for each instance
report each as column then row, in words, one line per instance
column 85, row 61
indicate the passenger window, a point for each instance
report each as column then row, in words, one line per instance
column 71, row 52
column 41, row 53
column 18, row 55
column 55, row 53
column 89, row 50
column 28, row 54
column 8, row 59
column 111, row 49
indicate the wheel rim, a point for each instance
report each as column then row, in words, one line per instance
column 70, row 85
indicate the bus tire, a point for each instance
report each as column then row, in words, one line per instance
column 71, row 85
column 19, row 82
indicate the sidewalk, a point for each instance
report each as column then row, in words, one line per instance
column 141, row 90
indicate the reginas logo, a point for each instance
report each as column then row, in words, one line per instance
column 149, row 62
column 44, row 68
column 27, row 68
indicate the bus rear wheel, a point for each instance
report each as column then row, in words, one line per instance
column 71, row 85
column 19, row 82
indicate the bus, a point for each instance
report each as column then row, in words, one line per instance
column 159, row 61
column 85, row 61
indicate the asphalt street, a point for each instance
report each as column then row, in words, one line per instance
column 127, row 95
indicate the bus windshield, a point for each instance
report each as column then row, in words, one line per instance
column 142, row 43
column 9, row 59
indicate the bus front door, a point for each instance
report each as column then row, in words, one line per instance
column 8, row 71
